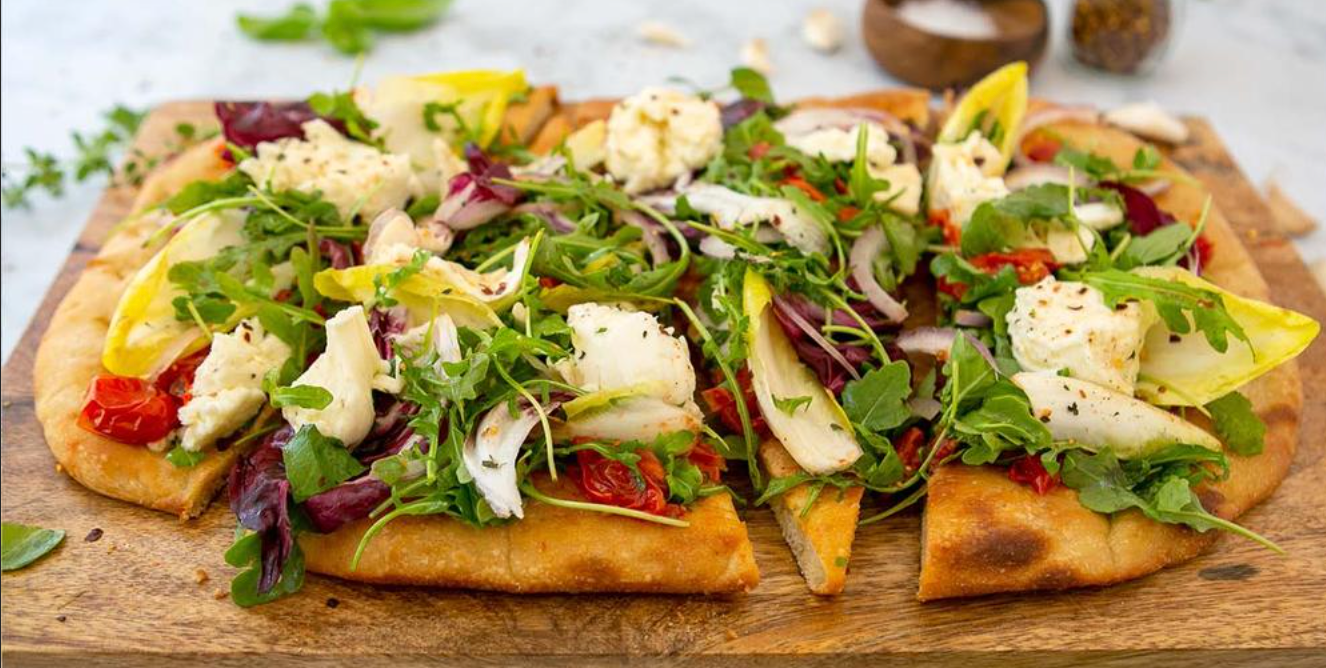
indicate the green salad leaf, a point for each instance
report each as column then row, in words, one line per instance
column 315, row 463
column 1237, row 425
column 877, row 401
column 22, row 544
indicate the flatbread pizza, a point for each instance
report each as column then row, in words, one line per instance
column 451, row 330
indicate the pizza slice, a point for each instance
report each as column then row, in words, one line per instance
column 1116, row 386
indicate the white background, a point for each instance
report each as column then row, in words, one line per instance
column 1256, row 68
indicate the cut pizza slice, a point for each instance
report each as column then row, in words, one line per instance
column 1076, row 468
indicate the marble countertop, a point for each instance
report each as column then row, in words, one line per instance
column 1256, row 68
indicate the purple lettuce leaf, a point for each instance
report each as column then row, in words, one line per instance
column 247, row 124
column 259, row 497
column 345, row 503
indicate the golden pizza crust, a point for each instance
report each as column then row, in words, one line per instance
column 983, row 533
column 70, row 355
column 524, row 119
column 821, row 536
column 552, row 549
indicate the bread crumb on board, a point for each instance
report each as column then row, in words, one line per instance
column 200, row 576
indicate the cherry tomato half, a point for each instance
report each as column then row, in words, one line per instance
column 610, row 482
column 1031, row 264
column 1030, row 471
column 129, row 410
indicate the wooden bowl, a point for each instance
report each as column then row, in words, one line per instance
column 940, row 61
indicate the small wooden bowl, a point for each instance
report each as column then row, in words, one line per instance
column 940, row 61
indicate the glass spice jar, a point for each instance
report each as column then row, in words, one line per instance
column 1122, row 36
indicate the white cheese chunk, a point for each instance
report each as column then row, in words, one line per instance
column 838, row 144
column 617, row 349
column 904, row 191
column 731, row 210
column 350, row 369
column 1098, row 216
column 227, row 386
column 1066, row 325
column 658, row 135
column 963, row 175
column 350, row 175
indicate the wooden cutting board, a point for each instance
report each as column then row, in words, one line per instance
column 150, row 591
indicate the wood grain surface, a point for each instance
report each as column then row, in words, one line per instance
column 150, row 591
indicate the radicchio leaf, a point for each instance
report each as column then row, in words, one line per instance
column 1144, row 216
column 247, row 124
column 473, row 199
column 337, row 254
column 830, row 372
column 345, row 503
column 259, row 497
column 385, row 325
column 736, row 112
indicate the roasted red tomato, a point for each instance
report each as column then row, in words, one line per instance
column 710, row 463
column 1031, row 264
column 908, row 447
column 1030, row 471
column 613, row 483
column 721, row 402
column 805, row 187
column 944, row 221
column 1041, row 147
column 177, row 379
column 128, row 410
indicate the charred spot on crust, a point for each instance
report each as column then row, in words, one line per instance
column 1211, row 498
column 1277, row 414
column 1004, row 548
column 1058, row 577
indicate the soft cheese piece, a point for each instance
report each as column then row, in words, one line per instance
column 659, row 135
column 963, row 175
column 350, row 175
column 1058, row 325
column 227, row 386
column 832, row 134
column 350, row 369
column 732, row 210
column 617, row 349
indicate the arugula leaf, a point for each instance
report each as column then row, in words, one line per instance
column 876, row 402
column 1237, row 425
column 22, row 544
column 979, row 285
column 1172, row 300
column 315, row 463
column 246, row 553
column 400, row 15
column 302, row 396
column 752, row 85
column 184, row 459
column 1160, row 490
column 1164, row 245
column 1097, row 167
column 198, row 193
column 296, row 24
column 385, row 283
column 997, row 223
column 1146, row 158
column 861, row 184
column 791, row 404
column 1003, row 422
column 342, row 107
column 881, row 466
column 96, row 154
column 210, row 310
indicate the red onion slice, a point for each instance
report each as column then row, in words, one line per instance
column 970, row 318
column 860, row 260
column 814, row 334
column 933, row 341
column 1048, row 116
column 651, row 235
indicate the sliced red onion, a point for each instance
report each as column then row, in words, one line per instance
column 1049, row 116
column 861, row 261
column 550, row 213
column 925, row 408
column 982, row 349
column 1038, row 173
column 933, row 341
column 970, row 318
column 467, row 206
column 791, row 314
column 652, row 236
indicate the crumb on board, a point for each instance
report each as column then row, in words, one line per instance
column 220, row 594
column 732, row 634
column 200, row 576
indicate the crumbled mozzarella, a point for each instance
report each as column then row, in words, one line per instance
column 227, row 386
column 1058, row 325
column 731, row 209
column 617, row 349
column 823, row 30
column 904, row 192
column 1149, row 120
column 659, row 135
column 1098, row 216
column 350, row 175
column 350, row 369
column 963, row 175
